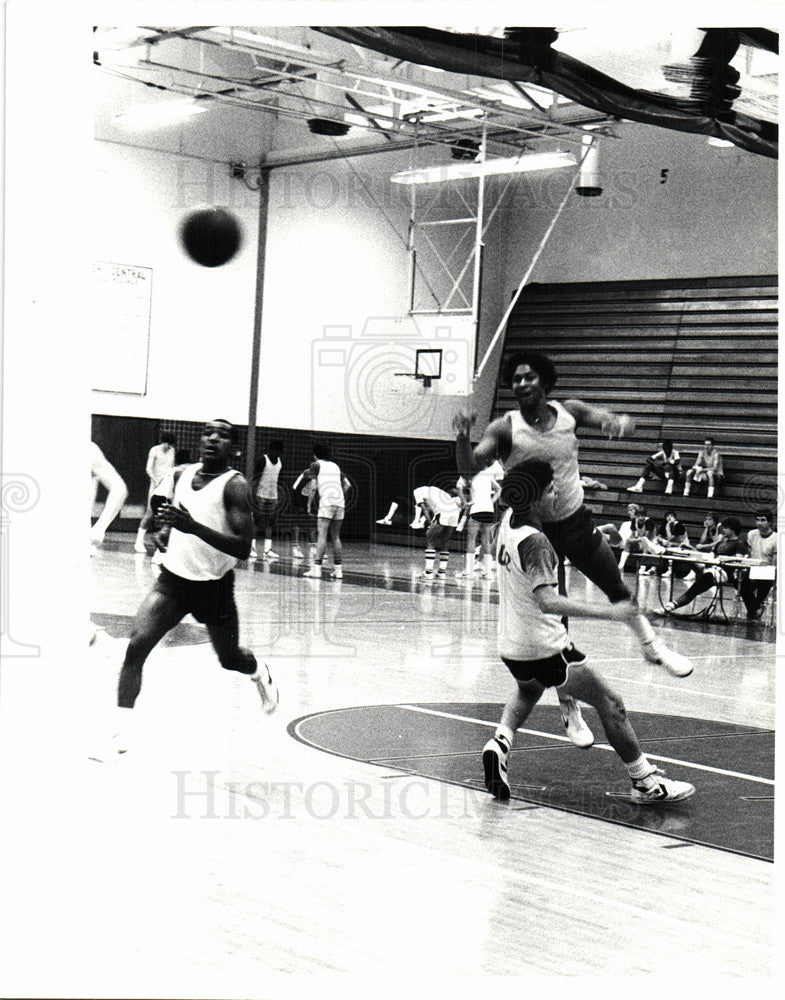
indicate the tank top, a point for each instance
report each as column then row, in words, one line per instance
column 187, row 555
column 526, row 632
column 328, row 483
column 268, row 481
column 557, row 446
column 483, row 486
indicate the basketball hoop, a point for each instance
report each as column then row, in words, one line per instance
column 427, row 366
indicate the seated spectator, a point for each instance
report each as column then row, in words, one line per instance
column 707, row 468
column 633, row 543
column 648, row 544
column 762, row 542
column 711, row 532
column 678, row 540
column 618, row 536
column 665, row 464
column 729, row 544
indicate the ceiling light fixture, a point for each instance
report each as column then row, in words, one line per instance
column 159, row 115
column 506, row 165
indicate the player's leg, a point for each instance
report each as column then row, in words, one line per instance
column 334, row 537
column 648, row 784
column 224, row 632
column 472, row 530
column 159, row 612
column 704, row 582
column 322, row 531
column 442, row 540
column 517, row 709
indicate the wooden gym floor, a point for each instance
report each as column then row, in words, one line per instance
column 350, row 833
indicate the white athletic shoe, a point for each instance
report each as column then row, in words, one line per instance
column 267, row 689
column 417, row 523
column 670, row 606
column 426, row 576
column 574, row 724
column 383, row 520
column 314, row 573
column 269, row 554
column 140, row 549
column 494, row 762
column 337, row 573
column 657, row 652
column 297, row 552
column 665, row 790
column 637, row 488
column 690, row 577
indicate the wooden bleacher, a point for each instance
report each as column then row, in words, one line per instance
column 688, row 359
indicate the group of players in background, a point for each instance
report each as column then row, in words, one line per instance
column 527, row 459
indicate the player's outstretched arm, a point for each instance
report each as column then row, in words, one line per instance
column 495, row 443
column 615, row 425
column 553, row 603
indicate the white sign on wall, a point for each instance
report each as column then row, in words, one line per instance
column 122, row 296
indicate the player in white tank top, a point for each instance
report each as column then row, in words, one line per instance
column 209, row 519
column 546, row 430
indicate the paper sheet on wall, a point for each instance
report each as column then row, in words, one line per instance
column 122, row 295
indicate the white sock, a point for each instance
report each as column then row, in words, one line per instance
column 430, row 559
column 623, row 559
column 641, row 626
column 487, row 563
column 640, row 768
column 268, row 544
column 443, row 560
column 470, row 562
column 140, row 535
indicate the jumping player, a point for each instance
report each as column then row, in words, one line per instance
column 209, row 523
column 545, row 429
column 536, row 648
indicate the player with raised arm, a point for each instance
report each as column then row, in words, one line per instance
column 544, row 429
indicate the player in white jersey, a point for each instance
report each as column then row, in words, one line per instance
column 331, row 486
column 544, row 429
column 209, row 522
column 267, row 497
column 535, row 646
column 480, row 496
column 441, row 512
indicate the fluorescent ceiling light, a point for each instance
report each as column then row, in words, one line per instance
column 445, row 116
column 159, row 115
column 507, row 165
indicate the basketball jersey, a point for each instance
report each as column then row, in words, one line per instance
column 483, row 488
column 268, row 481
column 557, row 446
column 328, row 483
column 525, row 631
column 161, row 461
column 187, row 555
column 441, row 504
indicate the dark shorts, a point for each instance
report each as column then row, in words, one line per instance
column 575, row 536
column 551, row 671
column 209, row 601
column 483, row 517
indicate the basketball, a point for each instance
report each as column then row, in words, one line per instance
column 211, row 236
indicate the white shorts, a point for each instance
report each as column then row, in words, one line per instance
column 331, row 511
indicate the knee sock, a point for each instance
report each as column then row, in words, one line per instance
column 430, row 559
column 443, row 560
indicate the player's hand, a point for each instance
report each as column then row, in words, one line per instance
column 161, row 539
column 462, row 422
column 617, row 425
column 177, row 517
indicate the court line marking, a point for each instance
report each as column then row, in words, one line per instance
column 599, row 746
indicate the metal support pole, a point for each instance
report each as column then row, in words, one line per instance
column 253, row 393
